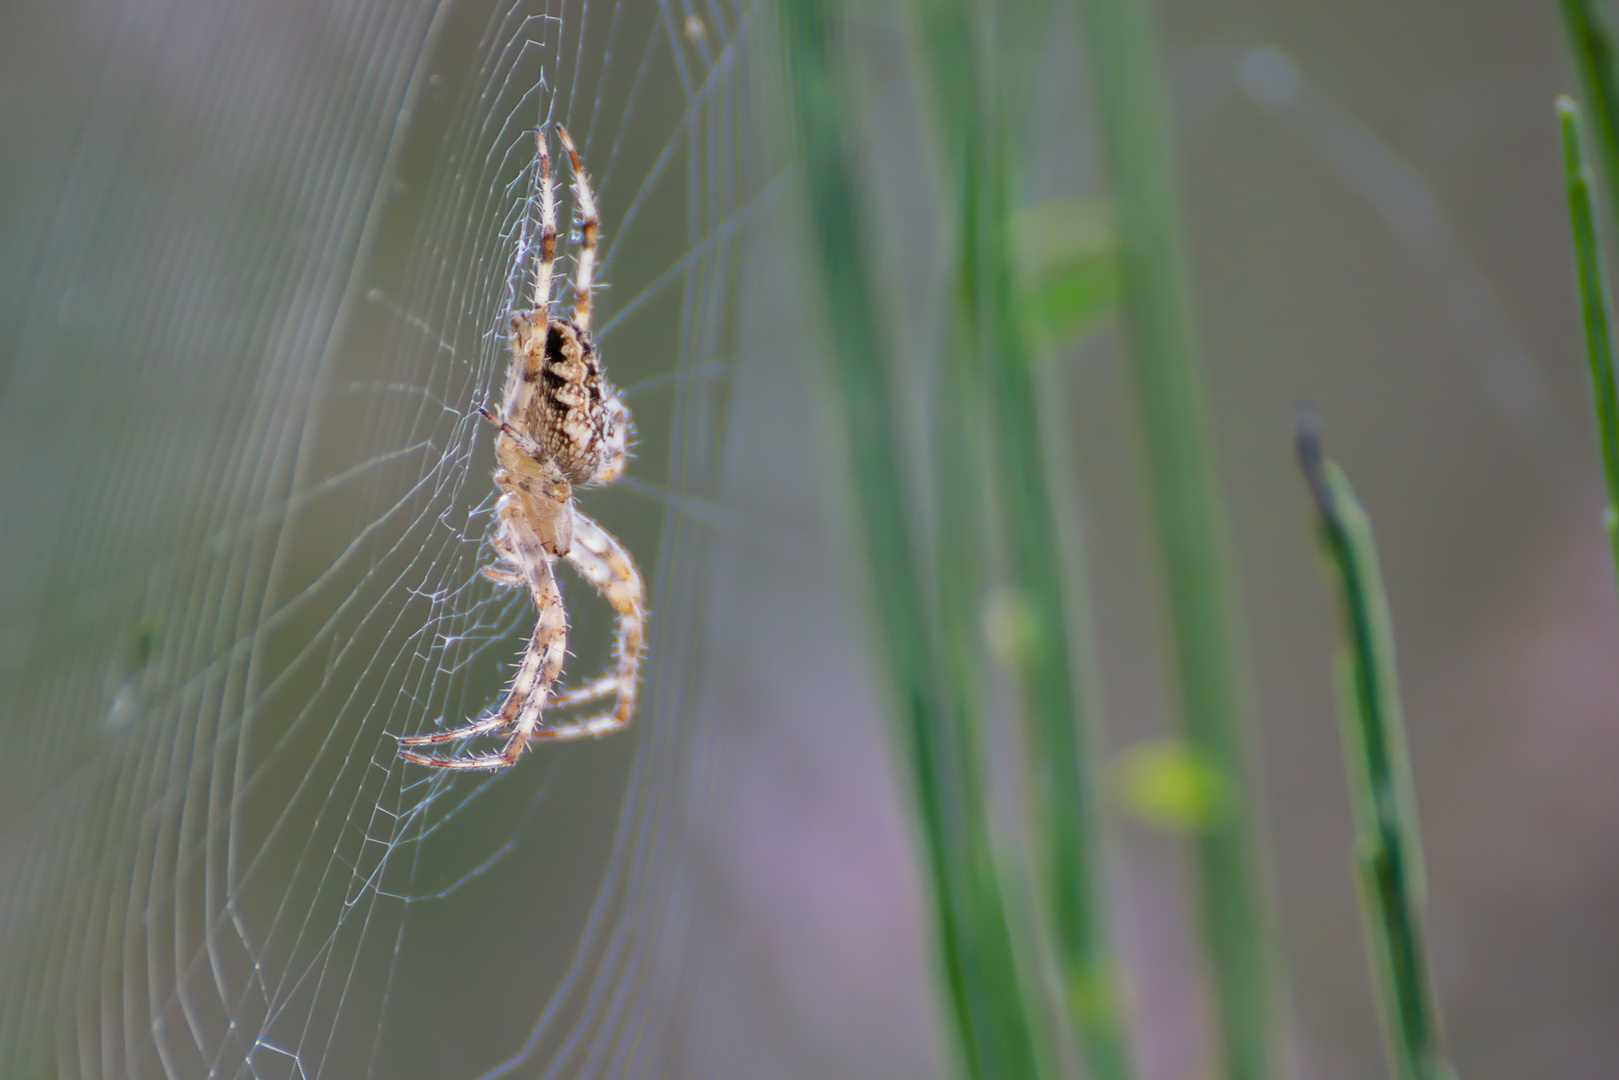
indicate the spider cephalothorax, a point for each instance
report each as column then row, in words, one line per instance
column 561, row 425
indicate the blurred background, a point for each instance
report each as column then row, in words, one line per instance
column 253, row 259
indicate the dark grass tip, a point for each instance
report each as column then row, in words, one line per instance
column 1307, row 445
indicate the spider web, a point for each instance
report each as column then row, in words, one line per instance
column 268, row 296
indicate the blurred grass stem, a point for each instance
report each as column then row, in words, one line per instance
column 928, row 658
column 1591, row 41
column 1191, row 531
column 1596, row 309
column 992, row 353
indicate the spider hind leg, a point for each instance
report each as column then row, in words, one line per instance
column 465, row 731
column 602, row 561
column 548, row 230
column 475, row 763
column 525, row 701
column 594, row 690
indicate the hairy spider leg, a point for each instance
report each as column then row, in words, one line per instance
column 583, row 695
column 528, row 445
column 597, row 688
column 589, row 234
column 548, row 230
column 495, row 572
column 506, row 579
column 526, row 700
column 465, row 731
column 601, row 685
column 602, row 561
column 541, row 293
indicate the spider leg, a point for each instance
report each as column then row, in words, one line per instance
column 589, row 232
column 499, row 574
column 506, row 579
column 465, row 731
column 602, row 561
column 527, row 444
column 594, row 690
column 541, row 664
column 548, row 230
column 546, row 652
column 535, row 488
column 473, row 762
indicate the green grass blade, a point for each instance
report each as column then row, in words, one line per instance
column 1389, row 858
column 1591, row 40
column 928, row 659
column 1167, row 376
column 992, row 353
column 1596, row 309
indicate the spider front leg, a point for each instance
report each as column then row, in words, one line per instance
column 506, row 579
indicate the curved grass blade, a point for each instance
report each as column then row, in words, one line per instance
column 1389, row 865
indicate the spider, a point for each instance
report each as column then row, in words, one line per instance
column 561, row 426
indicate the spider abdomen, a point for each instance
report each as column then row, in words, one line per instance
column 565, row 401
